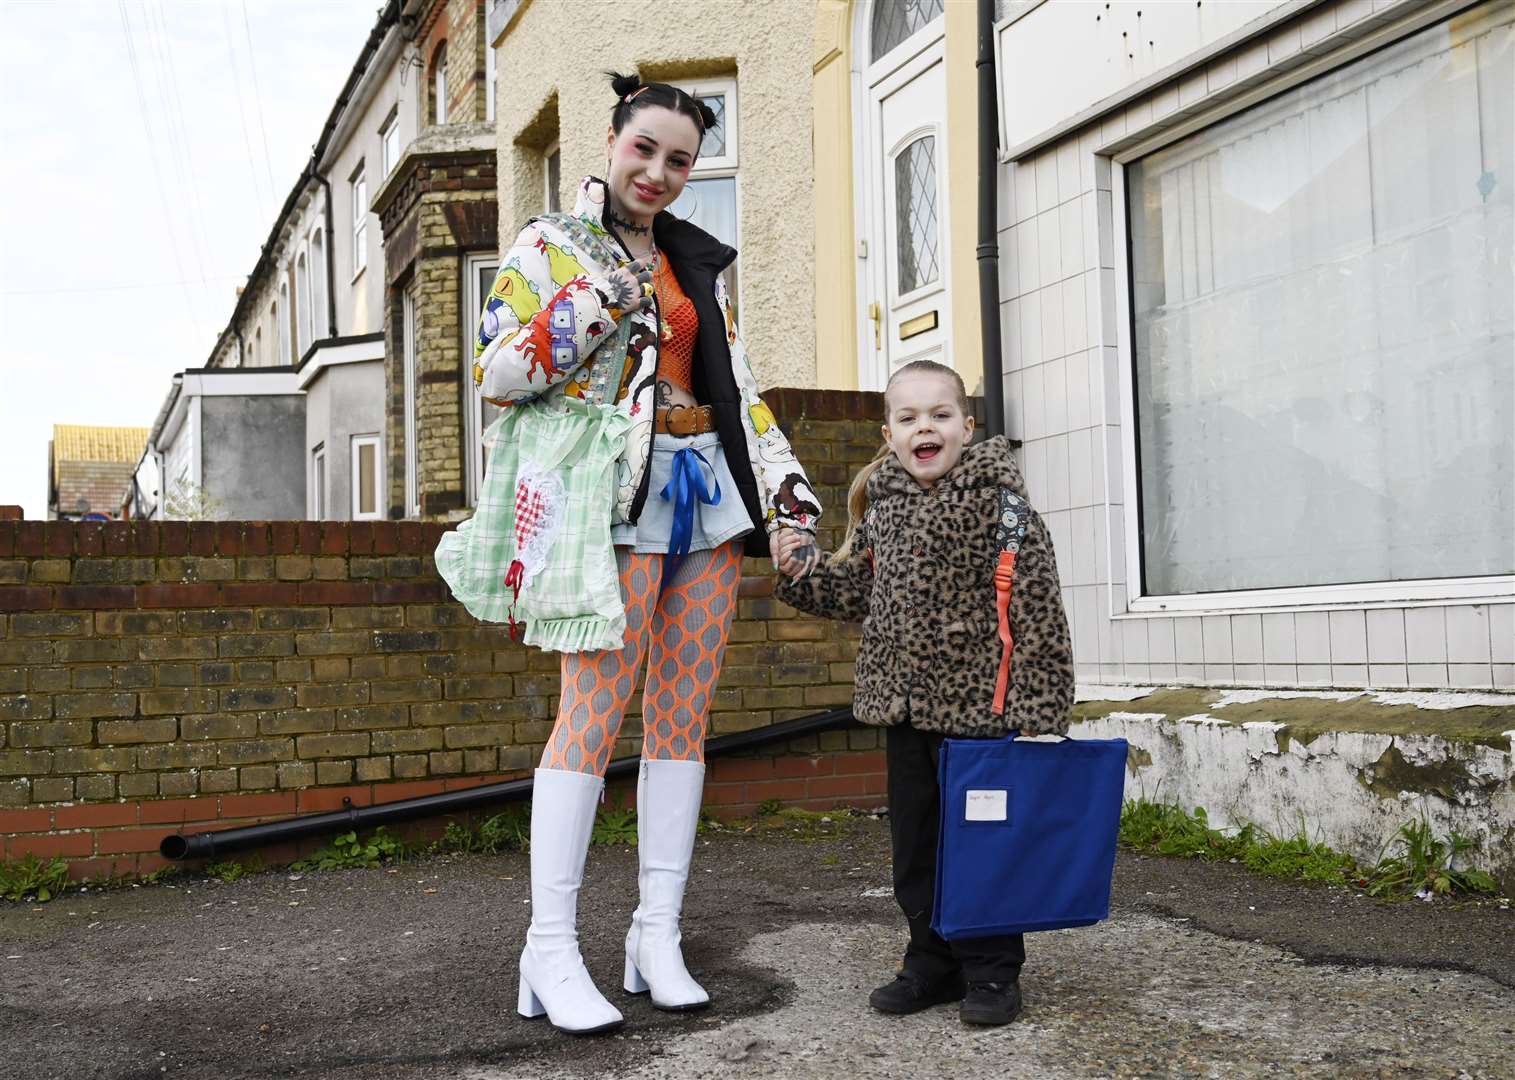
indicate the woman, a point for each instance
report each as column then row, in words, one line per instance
column 706, row 476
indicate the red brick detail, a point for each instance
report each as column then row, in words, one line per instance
column 97, row 596
column 179, row 596
column 101, row 869
column 90, row 538
column 876, row 783
column 335, row 592
column 321, row 800
column 114, row 841
column 783, row 790
column 95, row 815
column 804, row 766
column 334, row 538
column 23, row 821
column 386, row 538
column 360, row 537
column 864, row 762
column 406, row 789
column 284, row 536
column 742, row 769
column 309, row 537
column 202, row 538
column 25, row 598
column 179, row 811
column 275, row 804
column 410, row 592
column 413, row 538
column 30, row 540
column 46, row 846
column 229, row 537
column 724, row 794
column 59, row 538
column 255, row 538
column 10, row 513
column 7, row 538
column 118, row 538
column 145, row 538
column 173, row 538
column 833, row 786
column 260, row 594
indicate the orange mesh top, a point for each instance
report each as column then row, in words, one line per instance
column 681, row 325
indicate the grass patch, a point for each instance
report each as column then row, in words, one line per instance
column 1422, row 865
column 33, row 879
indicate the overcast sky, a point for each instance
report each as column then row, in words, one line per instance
column 145, row 146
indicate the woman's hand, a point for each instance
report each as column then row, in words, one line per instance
column 794, row 552
column 629, row 288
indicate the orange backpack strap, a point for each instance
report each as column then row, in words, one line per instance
column 1009, row 534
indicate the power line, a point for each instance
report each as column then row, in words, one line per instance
column 236, row 75
column 152, row 153
column 252, row 63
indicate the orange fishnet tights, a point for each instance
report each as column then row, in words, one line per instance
column 685, row 627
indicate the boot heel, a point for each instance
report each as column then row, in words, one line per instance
column 634, row 982
column 527, row 1003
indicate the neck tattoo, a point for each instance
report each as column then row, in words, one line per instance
column 628, row 226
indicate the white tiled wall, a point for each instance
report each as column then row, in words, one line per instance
column 1057, row 285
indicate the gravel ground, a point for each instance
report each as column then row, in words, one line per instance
column 409, row 974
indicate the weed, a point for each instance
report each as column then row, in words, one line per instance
column 769, row 807
column 231, row 870
column 348, row 850
column 33, row 879
column 509, row 830
column 615, row 825
column 1424, row 866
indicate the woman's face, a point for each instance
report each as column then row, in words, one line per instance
column 650, row 160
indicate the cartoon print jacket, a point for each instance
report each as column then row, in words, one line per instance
column 921, row 579
column 550, row 308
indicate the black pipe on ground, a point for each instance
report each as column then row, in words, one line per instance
column 205, row 845
column 988, row 223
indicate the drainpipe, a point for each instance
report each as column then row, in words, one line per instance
column 988, row 223
column 327, row 254
column 205, row 845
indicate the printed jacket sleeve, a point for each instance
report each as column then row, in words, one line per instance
column 788, row 499
column 545, row 315
column 835, row 590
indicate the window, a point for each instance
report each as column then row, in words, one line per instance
column 257, row 347
column 411, row 384
column 281, row 316
column 320, row 315
column 302, row 305
column 710, row 199
column 366, row 490
column 318, row 483
column 490, row 75
column 896, row 20
column 478, row 414
column 389, row 140
column 1321, row 312
column 359, row 187
column 552, row 180
column 915, row 214
column 439, row 85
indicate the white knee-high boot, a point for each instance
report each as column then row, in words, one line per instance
column 553, row 977
column 668, row 811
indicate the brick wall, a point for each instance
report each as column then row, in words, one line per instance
column 157, row 676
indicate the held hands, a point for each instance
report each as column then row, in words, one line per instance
column 795, row 553
column 630, row 287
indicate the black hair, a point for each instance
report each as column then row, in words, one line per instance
column 632, row 94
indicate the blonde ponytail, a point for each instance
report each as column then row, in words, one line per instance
column 857, row 502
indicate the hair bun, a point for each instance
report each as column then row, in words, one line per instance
column 623, row 84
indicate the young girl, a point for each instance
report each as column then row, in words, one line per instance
column 918, row 567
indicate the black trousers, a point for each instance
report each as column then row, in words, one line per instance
column 915, row 807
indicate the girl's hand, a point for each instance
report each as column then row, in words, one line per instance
column 629, row 288
column 794, row 552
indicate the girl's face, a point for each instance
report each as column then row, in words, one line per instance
column 927, row 428
column 650, row 160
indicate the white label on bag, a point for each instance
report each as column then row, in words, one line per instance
column 987, row 805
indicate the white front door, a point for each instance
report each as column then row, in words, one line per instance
column 904, row 284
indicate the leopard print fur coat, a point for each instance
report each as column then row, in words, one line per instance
column 921, row 579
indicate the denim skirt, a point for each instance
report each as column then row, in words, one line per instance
column 718, row 514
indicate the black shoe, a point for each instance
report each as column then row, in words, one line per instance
column 991, row 1003
column 910, row 993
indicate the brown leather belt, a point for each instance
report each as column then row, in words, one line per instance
column 683, row 420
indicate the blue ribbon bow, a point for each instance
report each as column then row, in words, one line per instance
column 684, row 487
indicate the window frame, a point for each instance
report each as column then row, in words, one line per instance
column 390, row 127
column 474, row 296
column 549, row 193
column 304, row 323
column 356, row 442
column 725, row 166
column 317, row 503
column 408, row 361
column 357, row 190
column 491, row 80
column 439, row 85
column 1123, row 499
column 283, row 322
column 318, row 278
